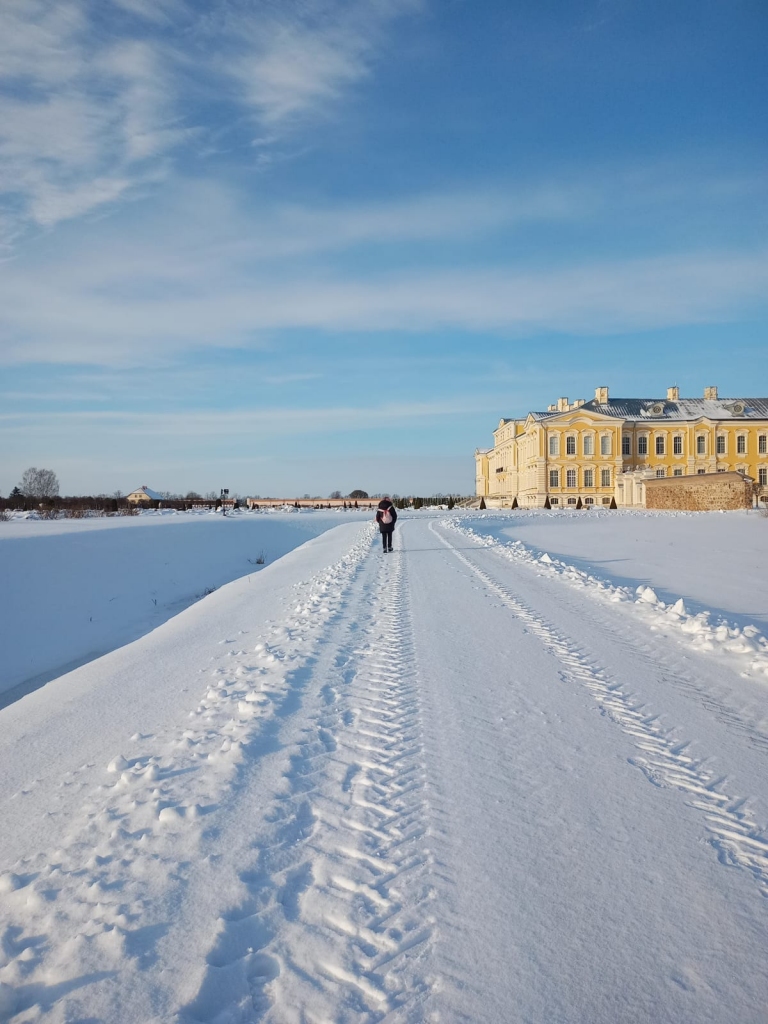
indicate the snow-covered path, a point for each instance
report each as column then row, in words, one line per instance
column 443, row 784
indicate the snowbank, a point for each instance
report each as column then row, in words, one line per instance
column 714, row 560
column 75, row 589
column 704, row 629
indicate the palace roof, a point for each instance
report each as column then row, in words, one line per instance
column 682, row 408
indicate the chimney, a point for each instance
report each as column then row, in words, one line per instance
column 601, row 396
column 562, row 405
column 710, row 393
column 673, row 393
column 551, row 408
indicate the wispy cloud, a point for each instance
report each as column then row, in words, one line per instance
column 92, row 104
column 106, row 315
column 82, row 119
column 299, row 59
column 255, row 424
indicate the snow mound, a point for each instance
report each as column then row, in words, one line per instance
column 746, row 646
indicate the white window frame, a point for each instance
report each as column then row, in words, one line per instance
column 677, row 444
column 605, row 478
column 642, row 442
column 678, row 471
column 588, row 444
column 762, row 476
column 570, row 444
column 660, row 444
column 721, row 444
column 554, row 478
column 626, row 444
column 606, row 444
column 762, row 444
column 661, row 471
column 741, row 444
column 570, row 478
column 589, row 478
column 701, row 444
column 554, row 444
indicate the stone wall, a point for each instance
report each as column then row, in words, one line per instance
column 706, row 492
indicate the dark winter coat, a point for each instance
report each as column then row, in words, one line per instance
column 385, row 503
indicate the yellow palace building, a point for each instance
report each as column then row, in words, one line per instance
column 606, row 448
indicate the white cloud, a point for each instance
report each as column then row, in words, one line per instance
column 82, row 120
column 91, row 106
column 123, row 307
column 254, row 424
column 301, row 58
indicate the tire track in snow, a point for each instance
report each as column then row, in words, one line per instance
column 82, row 924
column 336, row 923
column 736, row 838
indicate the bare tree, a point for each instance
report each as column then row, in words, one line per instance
column 335, row 494
column 39, row 483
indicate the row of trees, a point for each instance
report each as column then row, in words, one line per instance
column 41, row 486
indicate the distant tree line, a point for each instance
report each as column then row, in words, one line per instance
column 38, row 490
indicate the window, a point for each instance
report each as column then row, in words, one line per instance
column 554, row 501
column 762, row 476
column 762, row 444
column 700, row 472
column 677, row 444
column 589, row 445
column 642, row 445
column 721, row 469
column 606, row 501
column 589, row 478
column 678, row 471
column 661, row 471
column 605, row 478
column 554, row 478
column 659, row 444
column 741, row 444
column 626, row 445
column 571, row 501
column 554, row 445
column 570, row 445
column 570, row 478
column 605, row 444
column 720, row 444
column 701, row 444
column 589, row 501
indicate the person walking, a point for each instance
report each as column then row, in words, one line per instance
column 386, row 517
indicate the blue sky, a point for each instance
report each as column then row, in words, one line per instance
column 289, row 247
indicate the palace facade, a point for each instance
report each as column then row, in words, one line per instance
column 606, row 448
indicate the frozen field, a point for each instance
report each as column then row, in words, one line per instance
column 516, row 771
column 75, row 589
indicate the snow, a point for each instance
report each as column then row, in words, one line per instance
column 460, row 782
column 75, row 589
column 713, row 560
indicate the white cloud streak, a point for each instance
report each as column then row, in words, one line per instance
column 92, row 314
column 302, row 59
column 92, row 107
